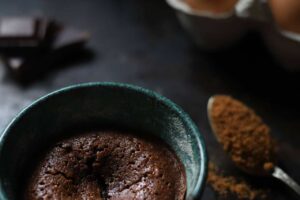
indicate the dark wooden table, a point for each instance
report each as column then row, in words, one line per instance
column 141, row 42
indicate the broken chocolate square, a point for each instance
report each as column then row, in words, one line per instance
column 19, row 32
column 67, row 44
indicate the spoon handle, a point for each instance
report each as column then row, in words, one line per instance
column 281, row 175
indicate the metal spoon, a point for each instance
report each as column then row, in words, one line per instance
column 276, row 172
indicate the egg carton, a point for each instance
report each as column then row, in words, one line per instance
column 216, row 31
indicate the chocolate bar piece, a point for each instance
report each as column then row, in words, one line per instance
column 19, row 32
column 66, row 45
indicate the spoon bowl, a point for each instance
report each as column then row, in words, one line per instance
column 273, row 171
column 217, row 136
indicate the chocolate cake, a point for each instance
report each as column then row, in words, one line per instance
column 108, row 165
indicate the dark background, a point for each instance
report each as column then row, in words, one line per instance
column 141, row 42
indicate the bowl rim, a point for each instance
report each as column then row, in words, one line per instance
column 196, row 192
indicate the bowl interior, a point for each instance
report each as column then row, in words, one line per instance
column 98, row 105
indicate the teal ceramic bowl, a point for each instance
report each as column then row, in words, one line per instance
column 98, row 104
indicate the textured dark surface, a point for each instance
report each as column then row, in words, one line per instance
column 141, row 42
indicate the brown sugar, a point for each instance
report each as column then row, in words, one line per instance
column 243, row 134
column 214, row 6
column 229, row 185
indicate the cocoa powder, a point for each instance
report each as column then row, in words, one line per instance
column 230, row 185
column 243, row 134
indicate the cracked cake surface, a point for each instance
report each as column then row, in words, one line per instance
column 108, row 165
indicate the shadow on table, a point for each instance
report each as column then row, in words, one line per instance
column 250, row 65
column 248, row 68
column 39, row 68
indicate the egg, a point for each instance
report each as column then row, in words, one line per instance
column 213, row 6
column 286, row 14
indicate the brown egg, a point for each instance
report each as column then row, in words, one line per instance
column 214, row 6
column 286, row 14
